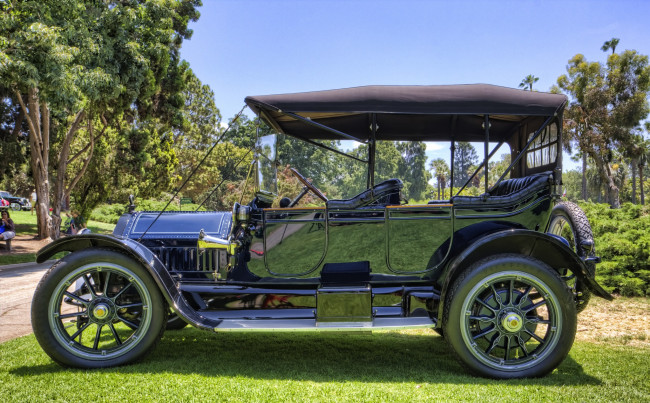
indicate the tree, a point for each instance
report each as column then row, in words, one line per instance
column 528, row 81
column 13, row 146
column 77, row 68
column 465, row 157
column 610, row 44
column 607, row 103
column 412, row 168
column 637, row 147
column 644, row 156
column 441, row 173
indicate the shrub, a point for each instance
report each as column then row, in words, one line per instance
column 110, row 213
column 623, row 243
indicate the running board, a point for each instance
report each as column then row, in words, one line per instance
column 285, row 325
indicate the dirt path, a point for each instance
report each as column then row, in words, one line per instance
column 24, row 244
column 622, row 321
column 17, row 287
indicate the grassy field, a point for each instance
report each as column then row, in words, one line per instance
column 26, row 225
column 194, row 365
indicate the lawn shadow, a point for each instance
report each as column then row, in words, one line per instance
column 352, row 357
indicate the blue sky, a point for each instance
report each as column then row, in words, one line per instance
column 255, row 47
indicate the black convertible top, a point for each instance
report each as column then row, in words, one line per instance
column 413, row 113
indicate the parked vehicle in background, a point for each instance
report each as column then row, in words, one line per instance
column 501, row 276
column 16, row 203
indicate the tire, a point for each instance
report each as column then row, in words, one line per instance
column 510, row 316
column 570, row 222
column 114, row 318
column 15, row 206
column 174, row 322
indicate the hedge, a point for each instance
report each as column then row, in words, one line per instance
column 623, row 243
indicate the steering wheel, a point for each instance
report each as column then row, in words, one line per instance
column 308, row 184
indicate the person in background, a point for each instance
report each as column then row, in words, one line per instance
column 76, row 223
column 34, row 198
column 7, row 228
column 79, row 221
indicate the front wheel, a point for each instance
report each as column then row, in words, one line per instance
column 15, row 206
column 510, row 316
column 97, row 308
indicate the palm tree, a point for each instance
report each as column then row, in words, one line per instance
column 528, row 81
column 611, row 44
column 441, row 172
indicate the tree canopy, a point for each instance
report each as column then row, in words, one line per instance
column 79, row 68
column 607, row 103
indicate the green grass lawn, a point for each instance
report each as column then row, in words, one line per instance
column 194, row 365
column 26, row 225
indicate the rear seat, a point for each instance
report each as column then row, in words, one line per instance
column 509, row 191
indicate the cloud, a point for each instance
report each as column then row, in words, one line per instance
column 434, row 146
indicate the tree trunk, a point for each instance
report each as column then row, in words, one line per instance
column 612, row 194
column 584, row 176
column 634, row 181
column 607, row 178
column 641, row 186
column 60, row 192
column 38, row 121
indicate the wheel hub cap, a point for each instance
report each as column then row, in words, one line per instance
column 101, row 311
column 512, row 322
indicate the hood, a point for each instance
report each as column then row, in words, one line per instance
column 173, row 224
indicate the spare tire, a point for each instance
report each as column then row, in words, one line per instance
column 570, row 222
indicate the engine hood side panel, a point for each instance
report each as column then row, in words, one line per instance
column 173, row 224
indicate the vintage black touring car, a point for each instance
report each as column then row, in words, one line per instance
column 501, row 275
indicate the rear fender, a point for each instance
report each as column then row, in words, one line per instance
column 145, row 257
column 541, row 246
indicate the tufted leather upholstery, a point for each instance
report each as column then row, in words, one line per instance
column 511, row 186
column 383, row 193
column 509, row 191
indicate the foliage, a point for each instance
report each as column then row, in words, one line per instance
column 110, row 213
column 528, row 81
column 623, row 243
column 78, row 68
column 465, row 157
column 411, row 168
column 441, row 174
column 607, row 103
column 321, row 166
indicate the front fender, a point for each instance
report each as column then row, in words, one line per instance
column 145, row 257
column 539, row 245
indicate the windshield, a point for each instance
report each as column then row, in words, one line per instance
column 266, row 167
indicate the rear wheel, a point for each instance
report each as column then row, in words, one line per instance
column 570, row 222
column 97, row 308
column 510, row 316
column 15, row 206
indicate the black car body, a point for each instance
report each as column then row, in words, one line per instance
column 494, row 273
column 16, row 203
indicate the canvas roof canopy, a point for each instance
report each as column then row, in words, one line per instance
column 407, row 113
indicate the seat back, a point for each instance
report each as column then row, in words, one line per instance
column 382, row 194
column 509, row 191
